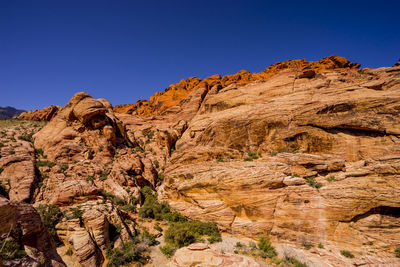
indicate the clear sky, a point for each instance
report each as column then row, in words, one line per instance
column 126, row 50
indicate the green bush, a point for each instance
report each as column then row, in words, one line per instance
column 156, row 164
column 69, row 251
column 180, row 234
column 397, row 252
column 64, row 167
column 129, row 253
column 167, row 250
column 50, row 215
column 76, row 213
column 12, row 152
column 27, row 137
column 266, row 248
column 295, row 262
column 44, row 163
column 347, row 254
column 39, row 151
column 331, row 178
column 11, row 250
column 153, row 209
column 148, row 238
column 158, row 227
column 312, row 182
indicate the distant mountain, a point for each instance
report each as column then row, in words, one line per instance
column 9, row 112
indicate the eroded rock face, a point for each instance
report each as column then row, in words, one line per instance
column 200, row 255
column 343, row 122
column 160, row 102
column 45, row 114
column 21, row 221
column 303, row 152
column 84, row 125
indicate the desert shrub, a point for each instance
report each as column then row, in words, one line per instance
column 26, row 137
column 156, row 164
column 266, row 248
column 1, row 169
column 295, row 262
column 129, row 253
column 312, row 182
column 50, row 215
column 76, row 213
column 44, row 163
column 158, row 227
column 320, row 245
column 69, row 251
column 347, row 254
column 220, row 159
column 151, row 208
column 104, row 176
column 397, row 252
column 12, row 152
column 11, row 250
column 167, row 250
column 148, row 238
column 39, row 151
column 180, row 234
column 330, row 178
column 64, row 167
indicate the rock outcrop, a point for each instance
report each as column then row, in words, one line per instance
column 312, row 158
column 20, row 221
column 305, row 152
column 200, row 255
column 175, row 93
column 45, row 114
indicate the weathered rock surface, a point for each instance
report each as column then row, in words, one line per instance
column 305, row 152
column 199, row 255
column 84, row 125
column 175, row 93
column 343, row 122
column 21, row 221
column 45, row 114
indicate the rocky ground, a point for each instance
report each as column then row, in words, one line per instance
column 305, row 154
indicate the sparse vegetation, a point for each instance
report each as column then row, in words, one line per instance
column 11, row 249
column 397, row 252
column 295, row 262
column 220, row 159
column 320, row 245
column 252, row 156
column 167, row 250
column 44, row 163
column 27, row 137
column 50, row 215
column 347, row 254
column 180, row 234
column 312, row 182
column 64, row 167
column 156, row 164
column 69, row 251
column 12, row 152
column 266, row 248
column 330, row 178
column 129, row 253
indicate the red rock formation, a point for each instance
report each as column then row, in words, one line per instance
column 45, row 114
column 161, row 101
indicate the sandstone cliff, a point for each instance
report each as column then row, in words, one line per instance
column 304, row 152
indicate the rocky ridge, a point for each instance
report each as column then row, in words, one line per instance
column 307, row 155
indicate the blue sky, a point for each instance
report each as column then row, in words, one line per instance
column 127, row 50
